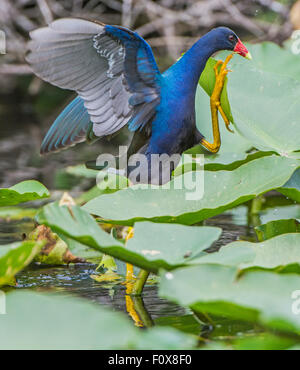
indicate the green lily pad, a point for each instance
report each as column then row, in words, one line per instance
column 89, row 195
column 281, row 253
column 230, row 255
column 16, row 256
column 292, row 188
column 216, row 162
column 82, row 171
column 23, row 192
column 41, row 321
column 159, row 338
column 274, row 228
column 264, row 342
column 257, row 103
column 107, row 186
column 263, row 58
column 258, row 296
column 188, row 163
column 276, row 253
column 230, row 161
column 222, row 190
column 152, row 247
column 167, row 242
column 267, row 100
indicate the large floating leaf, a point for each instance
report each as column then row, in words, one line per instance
column 263, row 58
column 82, row 171
column 280, row 253
column 159, row 338
column 222, row 190
column 258, row 111
column 106, row 186
column 14, row 257
column 250, row 341
column 173, row 244
column 152, row 247
column 231, row 161
column 262, row 113
column 23, row 192
column 292, row 188
column 40, row 321
column 216, row 162
column 262, row 297
column 264, row 342
column 230, row 255
column 277, row 252
column 274, row 228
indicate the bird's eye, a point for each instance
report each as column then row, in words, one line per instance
column 231, row 38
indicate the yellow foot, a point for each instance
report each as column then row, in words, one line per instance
column 220, row 80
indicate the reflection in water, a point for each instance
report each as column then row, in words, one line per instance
column 144, row 312
column 76, row 280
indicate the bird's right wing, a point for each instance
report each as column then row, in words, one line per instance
column 112, row 69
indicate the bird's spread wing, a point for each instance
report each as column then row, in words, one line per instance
column 111, row 68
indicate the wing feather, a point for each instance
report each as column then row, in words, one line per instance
column 63, row 132
column 112, row 69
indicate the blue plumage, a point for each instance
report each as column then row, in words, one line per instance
column 114, row 73
column 69, row 128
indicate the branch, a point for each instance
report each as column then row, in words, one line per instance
column 15, row 69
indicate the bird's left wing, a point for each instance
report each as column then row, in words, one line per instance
column 111, row 68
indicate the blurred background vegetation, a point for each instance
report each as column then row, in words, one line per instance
column 28, row 106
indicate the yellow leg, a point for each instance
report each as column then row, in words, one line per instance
column 215, row 106
column 129, row 267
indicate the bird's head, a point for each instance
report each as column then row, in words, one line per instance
column 226, row 39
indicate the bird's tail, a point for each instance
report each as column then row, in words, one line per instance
column 69, row 128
